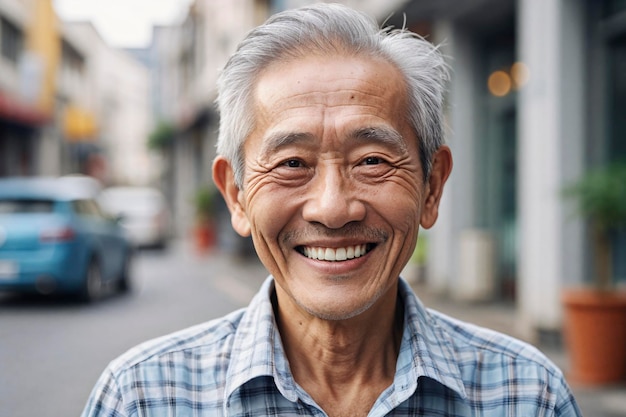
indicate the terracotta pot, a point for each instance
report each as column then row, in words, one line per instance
column 595, row 333
column 204, row 237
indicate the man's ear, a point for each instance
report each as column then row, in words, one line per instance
column 224, row 178
column 442, row 166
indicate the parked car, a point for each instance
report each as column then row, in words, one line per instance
column 142, row 211
column 54, row 238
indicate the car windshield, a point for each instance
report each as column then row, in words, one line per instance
column 10, row 206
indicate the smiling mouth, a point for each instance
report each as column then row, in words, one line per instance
column 335, row 254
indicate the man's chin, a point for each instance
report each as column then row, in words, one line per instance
column 335, row 310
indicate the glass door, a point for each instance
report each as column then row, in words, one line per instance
column 496, row 158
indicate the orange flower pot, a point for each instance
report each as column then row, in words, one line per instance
column 595, row 333
column 204, row 237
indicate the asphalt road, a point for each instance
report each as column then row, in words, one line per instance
column 53, row 350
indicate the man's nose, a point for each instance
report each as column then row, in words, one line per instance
column 333, row 200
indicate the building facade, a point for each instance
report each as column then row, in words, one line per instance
column 68, row 102
column 536, row 98
column 28, row 59
column 108, row 121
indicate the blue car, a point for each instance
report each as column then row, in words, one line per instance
column 54, row 238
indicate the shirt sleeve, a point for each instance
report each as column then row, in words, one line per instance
column 566, row 405
column 105, row 399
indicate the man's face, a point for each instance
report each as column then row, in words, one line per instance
column 333, row 193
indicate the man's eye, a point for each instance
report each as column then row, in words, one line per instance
column 372, row 160
column 293, row 163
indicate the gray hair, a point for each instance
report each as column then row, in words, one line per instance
column 329, row 28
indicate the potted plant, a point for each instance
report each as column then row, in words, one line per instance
column 204, row 232
column 595, row 317
column 161, row 137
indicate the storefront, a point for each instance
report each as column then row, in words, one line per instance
column 20, row 126
column 537, row 97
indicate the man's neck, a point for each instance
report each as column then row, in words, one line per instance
column 346, row 363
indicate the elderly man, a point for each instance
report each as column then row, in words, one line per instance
column 331, row 156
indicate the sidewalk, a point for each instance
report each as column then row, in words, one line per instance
column 594, row 402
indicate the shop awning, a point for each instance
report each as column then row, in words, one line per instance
column 21, row 113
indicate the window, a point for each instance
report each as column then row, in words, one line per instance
column 72, row 62
column 87, row 208
column 12, row 40
column 12, row 206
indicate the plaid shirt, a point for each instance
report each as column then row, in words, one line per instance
column 236, row 366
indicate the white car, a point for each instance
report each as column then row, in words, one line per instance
column 143, row 212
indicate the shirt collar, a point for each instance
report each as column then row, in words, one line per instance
column 257, row 351
column 426, row 349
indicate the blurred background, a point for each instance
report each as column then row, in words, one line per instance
column 123, row 92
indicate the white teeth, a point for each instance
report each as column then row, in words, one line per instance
column 335, row 254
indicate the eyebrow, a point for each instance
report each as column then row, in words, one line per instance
column 384, row 134
column 279, row 140
column 378, row 134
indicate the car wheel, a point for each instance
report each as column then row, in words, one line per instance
column 124, row 284
column 92, row 284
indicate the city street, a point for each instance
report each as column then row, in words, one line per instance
column 52, row 351
column 128, row 118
